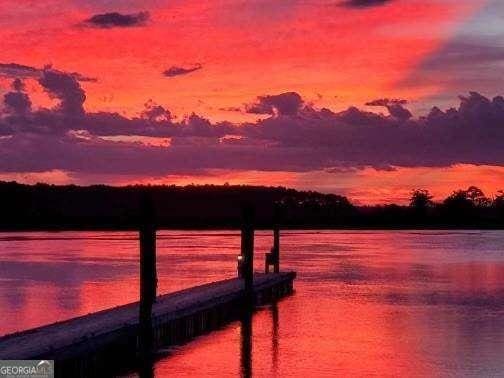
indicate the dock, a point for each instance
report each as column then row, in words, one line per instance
column 91, row 345
column 130, row 336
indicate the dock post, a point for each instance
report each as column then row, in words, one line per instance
column 148, row 276
column 276, row 240
column 247, row 249
column 273, row 257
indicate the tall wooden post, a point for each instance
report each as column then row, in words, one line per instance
column 148, row 276
column 273, row 257
column 247, row 249
column 276, row 248
column 276, row 237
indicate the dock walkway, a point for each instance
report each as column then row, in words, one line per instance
column 83, row 343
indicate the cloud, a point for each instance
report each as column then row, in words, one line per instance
column 386, row 102
column 117, row 20
column 66, row 88
column 289, row 103
column 363, row 3
column 16, row 70
column 471, row 58
column 394, row 106
column 178, row 70
column 17, row 102
column 295, row 136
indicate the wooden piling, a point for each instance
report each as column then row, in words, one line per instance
column 148, row 276
column 247, row 248
column 276, row 248
column 273, row 257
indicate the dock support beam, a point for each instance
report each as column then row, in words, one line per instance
column 247, row 249
column 148, row 276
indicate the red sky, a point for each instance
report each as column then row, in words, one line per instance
column 334, row 54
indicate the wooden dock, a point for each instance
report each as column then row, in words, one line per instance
column 128, row 336
column 98, row 343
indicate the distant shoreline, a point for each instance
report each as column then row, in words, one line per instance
column 45, row 207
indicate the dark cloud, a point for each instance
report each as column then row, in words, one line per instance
column 17, row 102
column 15, row 70
column 178, row 70
column 295, row 136
column 155, row 113
column 66, row 89
column 386, row 102
column 363, row 3
column 117, row 20
column 289, row 103
column 18, row 70
column 18, row 85
column 394, row 106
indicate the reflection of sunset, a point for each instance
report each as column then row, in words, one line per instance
column 368, row 302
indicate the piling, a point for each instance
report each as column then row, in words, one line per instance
column 273, row 257
column 247, row 249
column 148, row 276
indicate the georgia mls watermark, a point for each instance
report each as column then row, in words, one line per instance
column 26, row 369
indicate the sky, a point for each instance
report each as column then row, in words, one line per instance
column 365, row 98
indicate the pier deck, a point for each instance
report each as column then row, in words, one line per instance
column 82, row 344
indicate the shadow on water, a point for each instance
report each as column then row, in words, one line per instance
column 274, row 336
column 246, row 339
column 246, row 344
column 146, row 369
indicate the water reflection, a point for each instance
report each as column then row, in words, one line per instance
column 246, row 344
column 146, row 369
column 369, row 303
column 274, row 336
column 247, row 340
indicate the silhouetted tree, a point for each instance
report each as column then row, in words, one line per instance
column 45, row 206
column 464, row 206
column 498, row 205
column 477, row 197
column 498, row 201
column 421, row 199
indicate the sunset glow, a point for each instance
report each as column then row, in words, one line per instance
column 254, row 92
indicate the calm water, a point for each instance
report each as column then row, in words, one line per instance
column 397, row 303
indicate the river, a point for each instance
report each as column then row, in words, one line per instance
column 386, row 303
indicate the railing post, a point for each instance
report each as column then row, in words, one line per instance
column 247, row 249
column 148, row 276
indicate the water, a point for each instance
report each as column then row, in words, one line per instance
column 387, row 303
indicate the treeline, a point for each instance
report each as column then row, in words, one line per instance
column 468, row 208
column 42, row 206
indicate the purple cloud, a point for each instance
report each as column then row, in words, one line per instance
column 16, row 71
column 178, row 70
column 394, row 106
column 295, row 137
column 65, row 88
column 17, row 102
column 117, row 20
column 363, row 3
column 289, row 103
